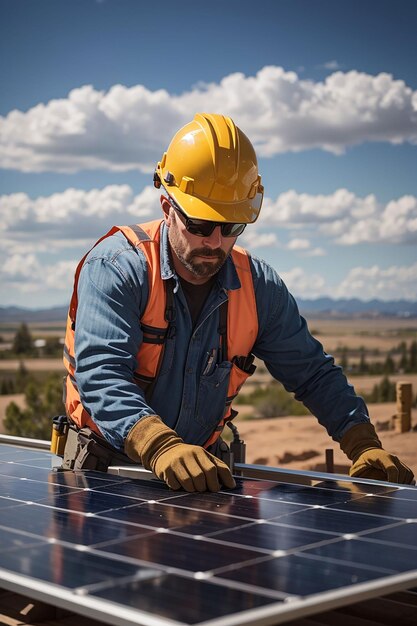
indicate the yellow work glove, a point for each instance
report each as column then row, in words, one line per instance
column 179, row 464
column 361, row 444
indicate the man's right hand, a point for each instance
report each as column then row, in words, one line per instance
column 179, row 464
column 191, row 467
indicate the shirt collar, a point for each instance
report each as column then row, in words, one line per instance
column 167, row 271
column 227, row 276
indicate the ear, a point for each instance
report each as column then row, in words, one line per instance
column 165, row 205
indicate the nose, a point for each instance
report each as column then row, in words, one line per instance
column 215, row 239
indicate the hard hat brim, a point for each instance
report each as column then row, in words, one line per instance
column 243, row 212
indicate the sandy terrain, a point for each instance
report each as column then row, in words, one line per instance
column 300, row 442
column 380, row 334
column 36, row 365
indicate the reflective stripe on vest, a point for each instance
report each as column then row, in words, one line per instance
column 242, row 323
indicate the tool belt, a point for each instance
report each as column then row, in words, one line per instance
column 84, row 450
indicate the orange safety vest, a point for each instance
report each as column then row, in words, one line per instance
column 242, row 324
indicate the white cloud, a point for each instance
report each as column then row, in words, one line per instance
column 60, row 275
column 145, row 206
column 395, row 223
column 316, row 252
column 365, row 283
column 73, row 217
column 344, row 217
column 252, row 238
column 395, row 282
column 21, row 267
column 303, row 284
column 129, row 127
column 25, row 273
column 291, row 207
column 298, row 244
column 332, row 65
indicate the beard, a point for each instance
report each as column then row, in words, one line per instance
column 200, row 269
column 204, row 269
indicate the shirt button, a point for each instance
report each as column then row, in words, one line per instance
column 190, row 370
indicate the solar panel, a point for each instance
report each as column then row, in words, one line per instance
column 130, row 551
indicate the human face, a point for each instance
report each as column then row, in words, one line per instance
column 196, row 258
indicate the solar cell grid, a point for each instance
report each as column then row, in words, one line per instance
column 136, row 550
column 359, row 551
column 14, row 453
column 68, row 527
column 271, row 537
column 299, row 575
column 161, row 515
column 10, row 540
column 395, row 508
column 20, row 488
column 401, row 534
column 248, row 507
column 185, row 600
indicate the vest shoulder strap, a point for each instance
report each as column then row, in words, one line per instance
column 147, row 237
column 136, row 234
column 242, row 317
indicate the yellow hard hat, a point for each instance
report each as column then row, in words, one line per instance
column 211, row 171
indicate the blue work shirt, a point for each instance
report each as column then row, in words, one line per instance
column 112, row 295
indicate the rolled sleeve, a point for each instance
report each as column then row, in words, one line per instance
column 297, row 360
column 112, row 291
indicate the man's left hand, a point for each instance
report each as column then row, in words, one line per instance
column 363, row 447
column 378, row 464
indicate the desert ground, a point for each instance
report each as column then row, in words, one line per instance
column 300, row 442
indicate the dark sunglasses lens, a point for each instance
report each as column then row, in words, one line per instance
column 232, row 230
column 200, row 227
column 203, row 228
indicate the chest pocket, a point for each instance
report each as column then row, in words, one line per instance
column 217, row 390
column 212, row 398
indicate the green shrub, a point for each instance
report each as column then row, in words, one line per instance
column 23, row 342
column 42, row 403
column 385, row 391
column 273, row 401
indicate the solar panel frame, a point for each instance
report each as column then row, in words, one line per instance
column 173, row 509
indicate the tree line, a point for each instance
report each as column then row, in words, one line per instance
column 23, row 345
column 400, row 360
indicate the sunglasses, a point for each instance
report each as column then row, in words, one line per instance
column 204, row 228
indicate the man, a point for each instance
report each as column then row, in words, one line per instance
column 167, row 317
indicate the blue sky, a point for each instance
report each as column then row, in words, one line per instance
column 92, row 92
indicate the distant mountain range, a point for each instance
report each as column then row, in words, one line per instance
column 20, row 314
column 320, row 307
column 327, row 307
